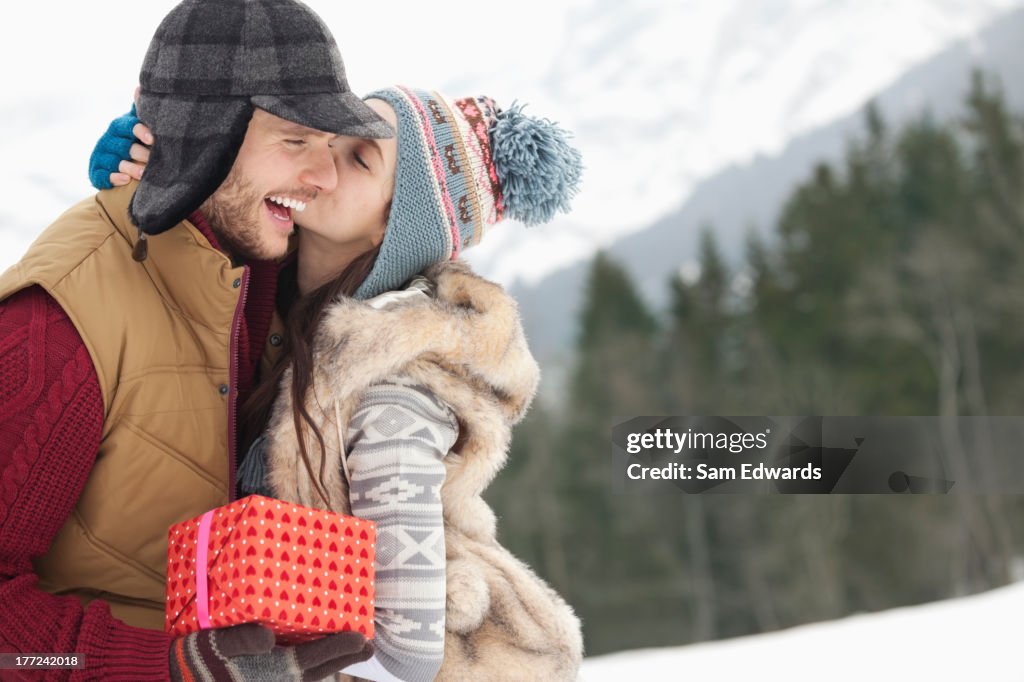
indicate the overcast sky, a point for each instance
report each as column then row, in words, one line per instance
column 97, row 46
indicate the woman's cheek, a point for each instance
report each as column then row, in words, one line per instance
column 314, row 216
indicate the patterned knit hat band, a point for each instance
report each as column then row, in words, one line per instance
column 456, row 134
column 475, row 118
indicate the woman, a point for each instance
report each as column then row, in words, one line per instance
column 396, row 404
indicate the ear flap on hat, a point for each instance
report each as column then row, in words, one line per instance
column 197, row 141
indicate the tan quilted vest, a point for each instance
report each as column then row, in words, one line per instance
column 159, row 336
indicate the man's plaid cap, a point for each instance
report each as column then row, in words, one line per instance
column 209, row 64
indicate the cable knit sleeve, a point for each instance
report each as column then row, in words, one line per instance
column 51, row 422
column 400, row 434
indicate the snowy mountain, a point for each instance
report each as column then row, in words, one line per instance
column 663, row 95
column 971, row 638
column 749, row 194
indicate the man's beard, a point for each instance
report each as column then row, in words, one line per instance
column 233, row 212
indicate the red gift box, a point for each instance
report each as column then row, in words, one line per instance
column 302, row 572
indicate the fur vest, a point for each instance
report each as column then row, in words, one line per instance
column 466, row 344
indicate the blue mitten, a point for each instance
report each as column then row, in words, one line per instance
column 113, row 147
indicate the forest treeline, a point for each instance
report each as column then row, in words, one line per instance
column 892, row 284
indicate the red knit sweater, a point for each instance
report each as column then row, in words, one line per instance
column 51, row 420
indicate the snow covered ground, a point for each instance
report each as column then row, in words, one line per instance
column 973, row 638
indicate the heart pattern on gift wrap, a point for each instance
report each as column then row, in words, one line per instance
column 292, row 568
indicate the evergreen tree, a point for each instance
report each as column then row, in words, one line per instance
column 891, row 286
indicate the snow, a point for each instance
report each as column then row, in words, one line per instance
column 660, row 95
column 971, row 638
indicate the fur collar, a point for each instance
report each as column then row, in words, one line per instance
column 465, row 344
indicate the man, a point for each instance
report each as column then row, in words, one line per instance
column 131, row 331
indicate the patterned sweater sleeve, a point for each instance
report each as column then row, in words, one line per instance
column 399, row 436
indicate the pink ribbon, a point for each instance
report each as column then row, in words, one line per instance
column 202, row 556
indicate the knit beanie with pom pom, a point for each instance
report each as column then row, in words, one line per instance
column 464, row 165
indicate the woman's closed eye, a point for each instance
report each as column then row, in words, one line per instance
column 295, row 143
column 359, row 159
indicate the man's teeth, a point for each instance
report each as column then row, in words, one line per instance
column 299, row 206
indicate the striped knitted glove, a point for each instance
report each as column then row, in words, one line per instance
column 246, row 653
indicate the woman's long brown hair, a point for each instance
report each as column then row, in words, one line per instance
column 303, row 318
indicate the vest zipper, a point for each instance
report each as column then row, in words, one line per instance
column 233, row 385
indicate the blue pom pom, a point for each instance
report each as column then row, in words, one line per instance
column 538, row 169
